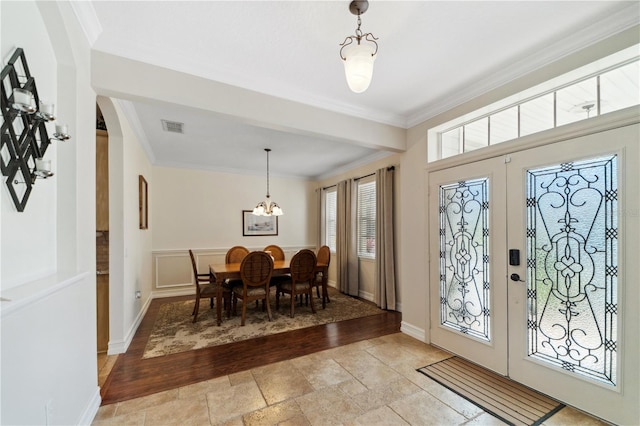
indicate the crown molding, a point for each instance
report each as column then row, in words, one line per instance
column 615, row 23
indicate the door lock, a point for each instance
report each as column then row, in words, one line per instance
column 516, row 277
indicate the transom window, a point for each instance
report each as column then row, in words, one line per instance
column 610, row 84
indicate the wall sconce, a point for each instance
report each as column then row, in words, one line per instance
column 43, row 168
column 23, row 101
column 23, row 138
column 61, row 133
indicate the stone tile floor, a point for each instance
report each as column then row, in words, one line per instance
column 373, row 382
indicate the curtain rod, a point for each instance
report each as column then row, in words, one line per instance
column 372, row 174
column 361, row 177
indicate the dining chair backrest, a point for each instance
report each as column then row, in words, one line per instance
column 193, row 265
column 324, row 255
column 236, row 254
column 256, row 269
column 303, row 265
column 276, row 251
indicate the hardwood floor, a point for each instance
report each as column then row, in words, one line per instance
column 133, row 376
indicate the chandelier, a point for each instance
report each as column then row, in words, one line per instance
column 358, row 52
column 267, row 207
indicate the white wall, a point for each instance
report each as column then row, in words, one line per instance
column 129, row 246
column 48, row 357
column 16, row 267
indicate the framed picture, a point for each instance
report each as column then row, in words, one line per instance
column 258, row 225
column 144, row 202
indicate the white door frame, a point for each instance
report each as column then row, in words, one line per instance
column 619, row 412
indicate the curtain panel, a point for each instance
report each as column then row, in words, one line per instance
column 385, row 277
column 346, row 242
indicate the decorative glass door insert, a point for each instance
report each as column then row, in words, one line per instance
column 464, row 257
column 572, row 264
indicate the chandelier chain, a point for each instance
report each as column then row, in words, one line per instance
column 267, row 171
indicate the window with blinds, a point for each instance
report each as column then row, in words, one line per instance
column 331, row 213
column 367, row 219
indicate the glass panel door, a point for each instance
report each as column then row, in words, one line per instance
column 575, row 323
column 468, row 305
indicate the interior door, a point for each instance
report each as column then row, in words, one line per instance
column 575, row 325
column 468, row 265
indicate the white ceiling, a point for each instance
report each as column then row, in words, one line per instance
column 432, row 56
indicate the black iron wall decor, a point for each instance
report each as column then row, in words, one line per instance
column 24, row 138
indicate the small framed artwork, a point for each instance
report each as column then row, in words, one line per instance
column 258, row 225
column 144, row 202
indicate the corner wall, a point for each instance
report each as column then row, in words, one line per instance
column 48, row 346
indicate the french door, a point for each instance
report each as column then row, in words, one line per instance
column 534, row 273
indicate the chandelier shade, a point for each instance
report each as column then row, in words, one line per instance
column 267, row 207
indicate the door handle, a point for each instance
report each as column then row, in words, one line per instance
column 516, row 277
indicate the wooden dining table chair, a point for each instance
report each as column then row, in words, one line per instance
column 278, row 254
column 302, row 267
column 255, row 272
column 208, row 288
column 320, row 279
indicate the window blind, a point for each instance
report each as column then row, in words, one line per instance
column 366, row 227
column 331, row 213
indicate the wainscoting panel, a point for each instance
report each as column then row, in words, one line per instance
column 172, row 268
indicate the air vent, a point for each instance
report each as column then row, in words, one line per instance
column 172, row 126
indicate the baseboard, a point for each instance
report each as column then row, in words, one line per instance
column 92, row 408
column 122, row 346
column 365, row 295
column 190, row 291
column 413, row 331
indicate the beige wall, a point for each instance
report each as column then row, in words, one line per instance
column 202, row 210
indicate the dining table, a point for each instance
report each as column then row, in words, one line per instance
column 231, row 271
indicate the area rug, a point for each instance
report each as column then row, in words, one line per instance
column 505, row 399
column 173, row 331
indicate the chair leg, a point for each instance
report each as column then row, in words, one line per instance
column 313, row 309
column 268, row 307
column 195, row 309
column 293, row 302
column 244, row 311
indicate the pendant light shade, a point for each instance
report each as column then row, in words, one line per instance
column 267, row 207
column 358, row 66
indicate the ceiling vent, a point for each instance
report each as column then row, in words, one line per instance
column 172, row 126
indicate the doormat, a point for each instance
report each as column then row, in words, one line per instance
column 503, row 398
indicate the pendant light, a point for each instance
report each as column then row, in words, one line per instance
column 358, row 57
column 267, row 207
